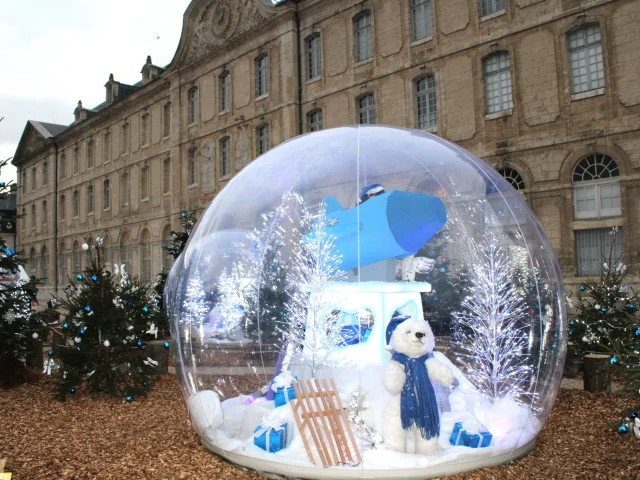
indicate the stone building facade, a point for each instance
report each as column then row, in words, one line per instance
column 546, row 91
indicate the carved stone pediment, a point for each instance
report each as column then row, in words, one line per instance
column 218, row 21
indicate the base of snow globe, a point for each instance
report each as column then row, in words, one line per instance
column 424, row 466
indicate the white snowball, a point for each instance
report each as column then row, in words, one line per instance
column 85, row 246
column 77, row 339
column 35, row 335
column 206, row 411
column 107, row 343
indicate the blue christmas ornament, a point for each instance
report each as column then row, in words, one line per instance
column 442, row 269
column 632, row 306
column 50, row 353
column 614, row 360
column 604, row 309
column 166, row 345
column 82, row 331
column 139, row 343
column 79, row 277
column 528, row 286
column 633, row 415
column 37, row 321
column 582, row 288
column 638, row 332
column 145, row 309
column 14, row 270
column 2, row 184
column 572, row 322
column 453, row 262
column 435, row 299
column 78, row 347
column 575, row 353
column 183, row 214
column 94, row 278
column 65, row 325
column 624, row 429
column 87, row 308
column 9, row 251
column 129, row 399
column 72, row 390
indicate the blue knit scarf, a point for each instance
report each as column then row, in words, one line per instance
column 418, row 399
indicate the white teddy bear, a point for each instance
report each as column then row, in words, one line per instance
column 408, row 379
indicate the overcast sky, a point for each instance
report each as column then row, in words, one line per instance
column 54, row 53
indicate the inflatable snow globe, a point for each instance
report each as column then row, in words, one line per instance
column 368, row 302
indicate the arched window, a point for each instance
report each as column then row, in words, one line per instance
column 167, row 259
column 76, row 260
column 125, row 257
column 32, row 261
column 513, row 177
column 145, row 130
column 426, row 102
column 90, row 153
column 497, row 81
column 125, row 140
column 314, row 56
column 585, row 55
column 106, row 195
column 45, row 173
column 166, row 120
column 262, row 75
column 225, row 92
column 90, row 200
column 192, row 105
column 363, row 36
column 44, row 265
column 76, row 203
column 106, row 147
column 145, row 256
column 192, row 174
column 596, row 188
column 62, row 259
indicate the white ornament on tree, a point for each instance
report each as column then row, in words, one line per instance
column 85, row 246
column 107, row 343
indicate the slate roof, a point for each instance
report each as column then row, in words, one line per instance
column 48, row 130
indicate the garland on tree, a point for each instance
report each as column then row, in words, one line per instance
column 19, row 328
column 106, row 322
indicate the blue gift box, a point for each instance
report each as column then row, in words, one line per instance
column 461, row 437
column 283, row 395
column 271, row 440
column 353, row 334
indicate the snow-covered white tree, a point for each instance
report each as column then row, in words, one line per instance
column 313, row 330
column 194, row 306
column 231, row 301
column 492, row 331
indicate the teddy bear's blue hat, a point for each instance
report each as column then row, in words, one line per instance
column 395, row 321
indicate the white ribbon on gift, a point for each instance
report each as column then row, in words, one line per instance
column 150, row 362
column 48, row 365
column 265, row 429
column 283, row 380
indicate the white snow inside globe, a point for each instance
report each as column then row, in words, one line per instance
column 368, row 302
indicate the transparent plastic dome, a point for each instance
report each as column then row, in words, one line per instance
column 306, row 271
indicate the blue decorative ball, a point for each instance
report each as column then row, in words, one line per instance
column 572, row 322
column 139, row 343
column 604, row 309
column 129, row 399
column 638, row 332
column 528, row 286
column 624, row 429
column 166, row 345
column 570, row 332
column 453, row 262
column 632, row 306
column 87, row 308
column 82, row 331
column 50, row 353
column 183, row 214
column 94, row 278
column 435, row 299
column 9, row 251
column 65, row 325
column 37, row 321
column 582, row 288
column 2, row 184
column 145, row 309
column 72, row 390
column 78, row 347
column 575, row 353
column 14, row 270
column 614, row 360
column 79, row 277
column 633, row 415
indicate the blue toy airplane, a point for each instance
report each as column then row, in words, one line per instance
column 394, row 224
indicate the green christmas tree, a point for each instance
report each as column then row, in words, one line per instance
column 179, row 239
column 106, row 320
column 19, row 328
column 605, row 320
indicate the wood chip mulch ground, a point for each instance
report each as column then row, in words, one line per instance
column 103, row 438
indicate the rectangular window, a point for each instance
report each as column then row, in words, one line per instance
column 125, row 138
column 363, row 34
column 421, row 19
column 166, row 120
column 262, row 75
column 76, row 161
column 145, row 125
column 597, row 201
column 63, row 266
column 44, row 212
column 225, row 92
column 106, row 148
column 33, row 178
column 426, row 102
column 315, row 121
column 263, row 139
column 144, row 183
column 45, row 174
column 90, row 154
column 314, row 57
column 76, row 204
column 367, row 109
column 489, row 7
column 106, row 195
column 33, row 217
column 23, row 220
column 63, row 207
column 166, row 175
column 193, row 166
column 497, row 78
column 587, row 66
column 90, row 199
column 595, row 247
column 225, row 157
column 192, row 105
